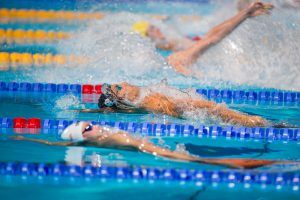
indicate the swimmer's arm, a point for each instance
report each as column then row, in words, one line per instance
column 219, row 32
column 226, row 114
column 123, row 140
column 174, row 45
column 235, row 117
column 182, row 59
column 44, row 141
column 165, row 45
column 159, row 103
column 102, row 110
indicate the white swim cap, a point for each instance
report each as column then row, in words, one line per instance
column 73, row 132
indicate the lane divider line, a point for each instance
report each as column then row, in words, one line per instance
column 248, row 178
column 23, row 125
column 21, row 36
column 67, row 16
column 17, row 60
column 49, row 16
column 275, row 96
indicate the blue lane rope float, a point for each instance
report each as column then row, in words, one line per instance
column 214, row 94
column 162, row 130
column 147, row 173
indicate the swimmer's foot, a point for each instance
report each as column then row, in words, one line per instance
column 180, row 61
column 259, row 8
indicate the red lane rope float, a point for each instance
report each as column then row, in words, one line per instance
column 21, row 122
column 32, row 125
column 91, row 89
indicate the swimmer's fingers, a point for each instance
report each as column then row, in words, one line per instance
column 18, row 137
column 256, row 121
column 268, row 6
column 260, row 12
column 88, row 110
column 259, row 8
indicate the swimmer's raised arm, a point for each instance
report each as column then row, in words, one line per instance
column 182, row 59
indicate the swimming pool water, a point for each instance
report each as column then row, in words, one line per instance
column 46, row 106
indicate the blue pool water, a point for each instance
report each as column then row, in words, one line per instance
column 61, row 106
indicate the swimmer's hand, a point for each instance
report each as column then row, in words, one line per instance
column 17, row 137
column 88, row 110
column 256, row 121
column 259, row 8
column 245, row 120
column 180, row 62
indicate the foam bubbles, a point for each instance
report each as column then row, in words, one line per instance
column 68, row 101
column 115, row 52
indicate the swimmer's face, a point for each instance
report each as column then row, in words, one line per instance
column 90, row 131
column 125, row 90
column 154, row 32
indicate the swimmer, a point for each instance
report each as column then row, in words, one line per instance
column 190, row 51
column 146, row 29
column 87, row 134
column 129, row 98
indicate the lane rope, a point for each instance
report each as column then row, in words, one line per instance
column 67, row 16
column 248, row 178
column 275, row 97
column 20, row 36
column 16, row 60
column 43, row 16
column 39, row 126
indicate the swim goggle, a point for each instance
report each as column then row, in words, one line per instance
column 88, row 128
column 110, row 99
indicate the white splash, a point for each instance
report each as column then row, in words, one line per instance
column 263, row 52
column 68, row 101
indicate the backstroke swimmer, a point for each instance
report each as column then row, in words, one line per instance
column 166, row 100
column 86, row 134
column 189, row 51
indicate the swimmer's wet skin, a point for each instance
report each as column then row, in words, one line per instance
column 125, row 97
column 86, row 134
